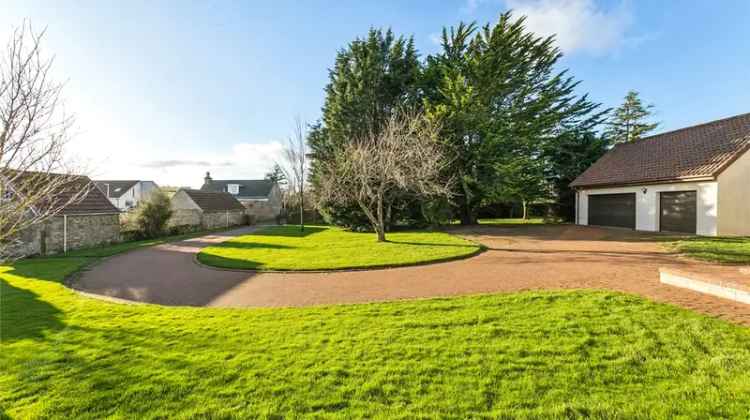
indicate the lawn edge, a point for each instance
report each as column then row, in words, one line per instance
column 378, row 267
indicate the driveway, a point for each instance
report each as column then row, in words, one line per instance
column 165, row 274
column 518, row 258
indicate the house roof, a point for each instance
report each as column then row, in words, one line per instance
column 93, row 202
column 209, row 201
column 697, row 152
column 249, row 188
column 116, row 188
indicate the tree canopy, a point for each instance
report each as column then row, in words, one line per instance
column 501, row 101
column 503, row 106
column 630, row 122
column 371, row 78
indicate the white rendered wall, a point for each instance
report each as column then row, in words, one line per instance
column 647, row 204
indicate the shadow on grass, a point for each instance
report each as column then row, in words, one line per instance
column 740, row 240
column 291, row 231
column 250, row 245
column 431, row 244
column 230, row 263
column 23, row 315
column 728, row 250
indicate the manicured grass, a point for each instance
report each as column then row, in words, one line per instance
column 722, row 250
column 529, row 221
column 327, row 248
column 528, row 355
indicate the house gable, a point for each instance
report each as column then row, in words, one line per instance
column 734, row 190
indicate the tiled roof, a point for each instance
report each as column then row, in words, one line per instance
column 248, row 188
column 115, row 188
column 701, row 151
column 91, row 200
column 210, row 201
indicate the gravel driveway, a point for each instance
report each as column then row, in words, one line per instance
column 518, row 258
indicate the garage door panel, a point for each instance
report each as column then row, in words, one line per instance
column 678, row 211
column 617, row 210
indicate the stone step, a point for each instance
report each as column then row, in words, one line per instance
column 728, row 283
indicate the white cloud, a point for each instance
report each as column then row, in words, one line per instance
column 578, row 25
column 436, row 38
column 241, row 161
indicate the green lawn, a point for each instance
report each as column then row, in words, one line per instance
column 325, row 248
column 722, row 250
column 529, row 221
column 528, row 355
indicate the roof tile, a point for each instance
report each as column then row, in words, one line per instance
column 210, row 201
column 694, row 152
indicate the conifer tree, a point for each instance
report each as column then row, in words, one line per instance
column 630, row 122
column 501, row 99
column 371, row 79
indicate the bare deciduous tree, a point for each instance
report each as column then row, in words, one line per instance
column 404, row 157
column 295, row 166
column 36, row 180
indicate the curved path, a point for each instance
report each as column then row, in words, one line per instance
column 518, row 258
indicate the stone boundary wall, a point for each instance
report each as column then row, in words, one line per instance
column 263, row 211
column 185, row 218
column 213, row 220
column 83, row 231
column 220, row 219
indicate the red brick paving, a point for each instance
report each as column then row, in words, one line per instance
column 519, row 258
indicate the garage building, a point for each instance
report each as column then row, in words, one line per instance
column 692, row 180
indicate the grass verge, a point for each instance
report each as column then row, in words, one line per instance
column 722, row 250
column 286, row 248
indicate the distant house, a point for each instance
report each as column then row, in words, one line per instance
column 206, row 209
column 85, row 223
column 261, row 197
column 691, row 180
column 125, row 195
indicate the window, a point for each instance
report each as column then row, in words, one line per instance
column 233, row 189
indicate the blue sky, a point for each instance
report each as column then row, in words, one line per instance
column 168, row 90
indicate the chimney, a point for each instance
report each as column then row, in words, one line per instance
column 207, row 180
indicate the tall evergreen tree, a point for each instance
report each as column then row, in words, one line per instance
column 567, row 157
column 630, row 122
column 371, row 78
column 501, row 100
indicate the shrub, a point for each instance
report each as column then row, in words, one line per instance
column 152, row 215
column 183, row 229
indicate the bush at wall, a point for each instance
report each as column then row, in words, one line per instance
column 152, row 215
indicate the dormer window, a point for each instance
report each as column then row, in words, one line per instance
column 233, row 189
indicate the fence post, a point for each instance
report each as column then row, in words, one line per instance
column 65, row 233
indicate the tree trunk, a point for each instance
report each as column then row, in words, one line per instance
column 467, row 214
column 381, row 218
column 525, row 209
column 301, row 209
column 389, row 217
